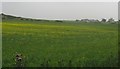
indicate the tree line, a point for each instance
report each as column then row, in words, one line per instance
column 110, row 20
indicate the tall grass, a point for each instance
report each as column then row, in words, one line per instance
column 52, row 44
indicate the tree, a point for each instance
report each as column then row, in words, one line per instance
column 111, row 20
column 103, row 20
column 76, row 20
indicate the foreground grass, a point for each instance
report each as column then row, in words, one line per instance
column 84, row 44
column 0, row 44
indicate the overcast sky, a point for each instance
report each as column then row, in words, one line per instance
column 62, row 10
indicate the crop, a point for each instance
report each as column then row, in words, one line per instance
column 54, row 44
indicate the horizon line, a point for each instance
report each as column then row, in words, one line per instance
column 57, row 19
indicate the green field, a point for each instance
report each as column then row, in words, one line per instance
column 66, row 43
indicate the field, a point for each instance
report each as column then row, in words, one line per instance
column 60, row 44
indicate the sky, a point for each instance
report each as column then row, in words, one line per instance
column 62, row 10
column 0, row 7
column 59, row 0
column 119, row 10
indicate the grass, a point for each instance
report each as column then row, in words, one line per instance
column 64, row 44
column 0, row 44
